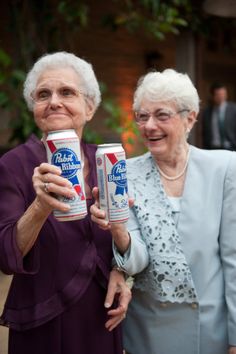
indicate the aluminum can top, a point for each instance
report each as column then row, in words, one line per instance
column 58, row 134
column 104, row 148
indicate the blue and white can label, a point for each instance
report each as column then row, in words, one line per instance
column 112, row 182
column 63, row 151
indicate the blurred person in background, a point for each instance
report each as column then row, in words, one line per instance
column 57, row 302
column 219, row 120
column 181, row 235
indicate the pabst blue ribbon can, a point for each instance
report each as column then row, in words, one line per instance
column 112, row 182
column 63, row 151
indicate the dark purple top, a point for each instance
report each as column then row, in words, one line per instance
column 66, row 256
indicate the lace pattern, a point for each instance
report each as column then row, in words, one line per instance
column 168, row 276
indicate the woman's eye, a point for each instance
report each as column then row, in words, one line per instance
column 66, row 92
column 143, row 116
column 43, row 94
column 163, row 116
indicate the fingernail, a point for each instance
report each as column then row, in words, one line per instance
column 107, row 305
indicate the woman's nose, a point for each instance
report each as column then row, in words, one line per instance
column 151, row 123
column 55, row 99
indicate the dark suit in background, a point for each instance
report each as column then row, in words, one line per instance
column 219, row 121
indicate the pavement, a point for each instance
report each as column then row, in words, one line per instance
column 4, row 286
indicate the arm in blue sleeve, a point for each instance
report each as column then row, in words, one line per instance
column 136, row 258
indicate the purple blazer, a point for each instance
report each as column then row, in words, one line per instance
column 66, row 256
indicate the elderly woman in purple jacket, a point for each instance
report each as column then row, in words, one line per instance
column 58, row 300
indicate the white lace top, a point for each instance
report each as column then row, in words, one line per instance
column 167, row 276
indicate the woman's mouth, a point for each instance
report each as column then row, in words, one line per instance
column 156, row 138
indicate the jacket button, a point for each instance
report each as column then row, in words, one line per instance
column 194, row 305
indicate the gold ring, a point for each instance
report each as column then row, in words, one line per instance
column 45, row 187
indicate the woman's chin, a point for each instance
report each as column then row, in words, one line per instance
column 156, row 147
column 58, row 126
column 155, row 144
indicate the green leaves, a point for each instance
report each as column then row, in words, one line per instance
column 92, row 136
column 4, row 100
column 5, row 59
column 152, row 17
column 11, row 81
column 73, row 12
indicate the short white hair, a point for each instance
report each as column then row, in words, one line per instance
column 82, row 68
column 167, row 86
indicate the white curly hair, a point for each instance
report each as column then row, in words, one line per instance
column 82, row 68
column 167, row 86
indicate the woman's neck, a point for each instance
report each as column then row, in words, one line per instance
column 173, row 172
column 173, row 164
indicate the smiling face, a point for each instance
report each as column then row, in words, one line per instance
column 58, row 103
column 165, row 139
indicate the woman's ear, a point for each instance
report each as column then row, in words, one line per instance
column 191, row 119
column 90, row 109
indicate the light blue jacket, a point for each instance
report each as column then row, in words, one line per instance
column 207, row 234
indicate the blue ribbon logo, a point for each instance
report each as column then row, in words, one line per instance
column 67, row 160
column 118, row 176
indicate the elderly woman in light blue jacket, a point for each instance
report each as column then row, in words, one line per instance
column 180, row 241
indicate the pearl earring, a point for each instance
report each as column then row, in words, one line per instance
column 187, row 133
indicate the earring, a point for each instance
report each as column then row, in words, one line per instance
column 187, row 133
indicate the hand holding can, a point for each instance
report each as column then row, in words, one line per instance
column 112, row 182
column 118, row 229
column 63, row 151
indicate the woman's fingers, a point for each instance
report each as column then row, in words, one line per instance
column 49, row 185
column 98, row 215
column 95, row 193
column 118, row 292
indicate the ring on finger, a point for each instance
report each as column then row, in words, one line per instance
column 45, row 187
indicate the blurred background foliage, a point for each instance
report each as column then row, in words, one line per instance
column 46, row 26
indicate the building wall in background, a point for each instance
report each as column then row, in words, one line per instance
column 120, row 58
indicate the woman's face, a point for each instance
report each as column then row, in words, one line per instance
column 58, row 104
column 165, row 135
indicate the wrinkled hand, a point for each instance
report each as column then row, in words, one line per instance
column 117, row 288
column 47, row 183
column 98, row 215
column 119, row 231
column 232, row 350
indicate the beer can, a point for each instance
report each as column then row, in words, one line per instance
column 63, row 151
column 112, row 182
